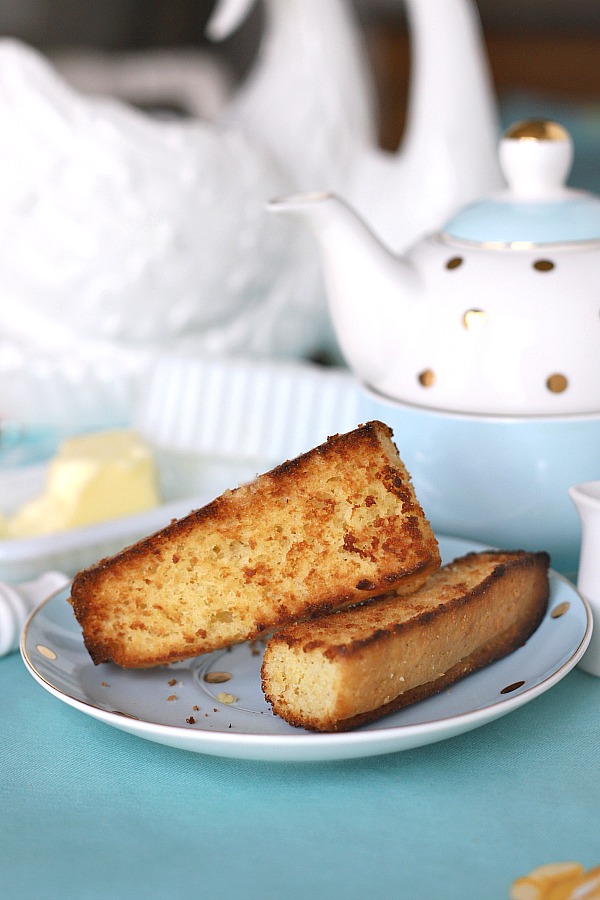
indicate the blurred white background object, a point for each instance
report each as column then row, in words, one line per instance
column 126, row 236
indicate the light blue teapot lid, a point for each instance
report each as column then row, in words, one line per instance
column 536, row 207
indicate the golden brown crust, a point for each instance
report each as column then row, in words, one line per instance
column 470, row 613
column 330, row 528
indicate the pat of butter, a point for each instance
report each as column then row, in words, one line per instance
column 93, row 478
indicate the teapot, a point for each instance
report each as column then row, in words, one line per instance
column 480, row 346
column 497, row 313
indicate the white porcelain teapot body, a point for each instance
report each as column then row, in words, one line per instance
column 497, row 314
column 494, row 333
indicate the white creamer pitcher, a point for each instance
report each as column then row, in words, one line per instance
column 586, row 497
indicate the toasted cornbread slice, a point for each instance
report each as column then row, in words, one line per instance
column 336, row 525
column 356, row 665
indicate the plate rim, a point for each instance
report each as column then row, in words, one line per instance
column 308, row 746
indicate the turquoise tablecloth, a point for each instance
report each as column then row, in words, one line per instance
column 91, row 812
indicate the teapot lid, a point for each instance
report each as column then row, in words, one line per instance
column 536, row 207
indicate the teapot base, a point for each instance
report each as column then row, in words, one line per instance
column 498, row 480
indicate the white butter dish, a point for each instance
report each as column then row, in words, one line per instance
column 237, row 408
column 213, row 424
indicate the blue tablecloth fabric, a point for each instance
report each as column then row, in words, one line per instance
column 92, row 813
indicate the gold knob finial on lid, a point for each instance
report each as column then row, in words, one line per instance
column 537, row 130
column 536, row 156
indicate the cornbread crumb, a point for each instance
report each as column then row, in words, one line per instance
column 222, row 697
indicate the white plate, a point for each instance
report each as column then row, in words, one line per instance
column 174, row 705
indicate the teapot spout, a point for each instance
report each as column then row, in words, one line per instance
column 367, row 286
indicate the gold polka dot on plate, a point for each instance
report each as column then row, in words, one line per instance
column 560, row 610
column 45, row 651
column 557, row 383
column 217, row 677
column 427, row 378
column 475, row 319
column 543, row 265
column 455, row 262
